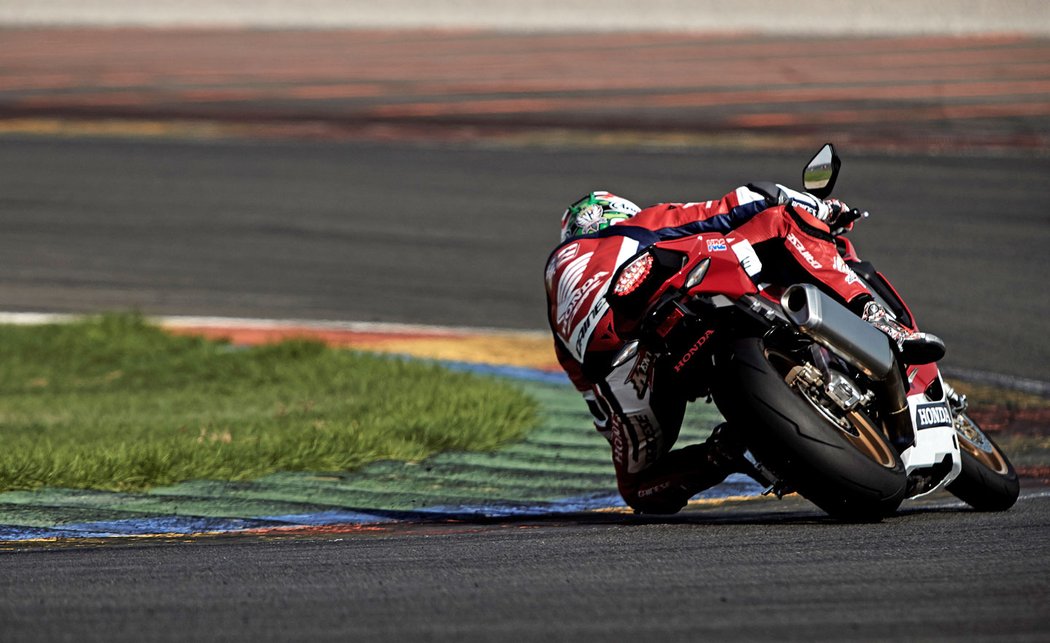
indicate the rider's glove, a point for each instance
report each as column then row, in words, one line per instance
column 838, row 215
column 831, row 210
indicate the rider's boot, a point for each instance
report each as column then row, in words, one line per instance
column 726, row 451
column 912, row 346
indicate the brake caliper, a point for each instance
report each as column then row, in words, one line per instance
column 833, row 392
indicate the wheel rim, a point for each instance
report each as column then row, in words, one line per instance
column 862, row 432
column 859, row 429
column 975, row 442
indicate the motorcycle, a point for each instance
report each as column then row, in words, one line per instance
column 819, row 397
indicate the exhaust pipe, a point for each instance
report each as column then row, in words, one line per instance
column 835, row 327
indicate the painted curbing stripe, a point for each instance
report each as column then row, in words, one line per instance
column 255, row 323
column 193, row 526
column 517, row 500
column 448, row 344
column 550, row 373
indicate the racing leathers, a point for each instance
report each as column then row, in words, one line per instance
column 638, row 406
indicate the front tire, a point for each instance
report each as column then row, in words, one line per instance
column 988, row 482
column 848, row 468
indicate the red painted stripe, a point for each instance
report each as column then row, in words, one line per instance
column 358, row 81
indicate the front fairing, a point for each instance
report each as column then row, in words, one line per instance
column 934, row 460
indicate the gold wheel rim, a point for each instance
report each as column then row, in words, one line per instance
column 990, row 457
column 869, row 440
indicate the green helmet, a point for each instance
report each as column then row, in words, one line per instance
column 596, row 211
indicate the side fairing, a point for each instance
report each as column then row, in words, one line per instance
column 735, row 268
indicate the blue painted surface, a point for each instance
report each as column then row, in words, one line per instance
column 181, row 525
column 735, row 485
column 334, row 517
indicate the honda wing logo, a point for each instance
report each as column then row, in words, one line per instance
column 571, row 295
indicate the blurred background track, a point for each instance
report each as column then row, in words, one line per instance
column 455, row 234
column 334, row 185
column 912, row 93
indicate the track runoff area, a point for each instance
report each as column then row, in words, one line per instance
column 559, row 468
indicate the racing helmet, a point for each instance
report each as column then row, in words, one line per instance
column 596, row 211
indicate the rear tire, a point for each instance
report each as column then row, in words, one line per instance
column 988, row 482
column 852, row 473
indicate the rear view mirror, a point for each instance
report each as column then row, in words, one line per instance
column 821, row 172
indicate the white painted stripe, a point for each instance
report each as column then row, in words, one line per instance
column 949, row 502
column 183, row 321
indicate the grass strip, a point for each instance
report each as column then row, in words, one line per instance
column 115, row 403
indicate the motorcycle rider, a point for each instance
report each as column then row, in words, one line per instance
column 781, row 236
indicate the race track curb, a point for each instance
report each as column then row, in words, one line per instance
column 561, row 467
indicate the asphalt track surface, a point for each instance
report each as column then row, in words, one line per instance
column 449, row 235
column 459, row 235
column 766, row 570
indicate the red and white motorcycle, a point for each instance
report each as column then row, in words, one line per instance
column 819, row 397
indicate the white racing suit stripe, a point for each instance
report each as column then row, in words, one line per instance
column 634, row 430
column 580, row 334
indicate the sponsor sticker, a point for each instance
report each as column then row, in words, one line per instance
column 645, row 492
column 749, row 260
column 641, row 376
column 692, row 351
column 567, row 310
column 717, row 245
column 928, row 416
column 840, row 265
column 806, row 254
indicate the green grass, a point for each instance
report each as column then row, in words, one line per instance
column 115, row 403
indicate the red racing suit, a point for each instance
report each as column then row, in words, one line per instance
column 632, row 407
